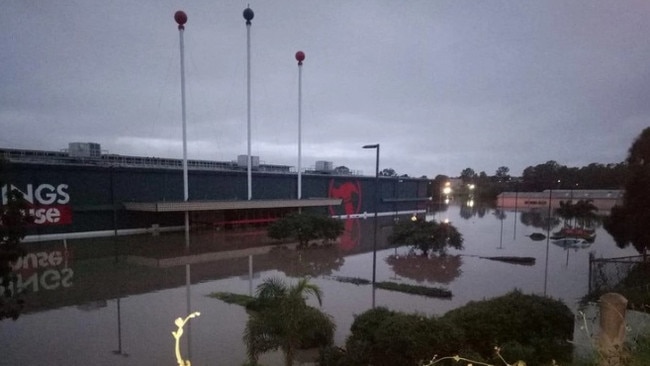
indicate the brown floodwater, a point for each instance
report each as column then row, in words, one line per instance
column 114, row 301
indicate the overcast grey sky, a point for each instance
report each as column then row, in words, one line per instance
column 441, row 85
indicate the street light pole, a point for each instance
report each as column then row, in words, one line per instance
column 376, row 208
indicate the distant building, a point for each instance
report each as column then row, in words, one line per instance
column 603, row 199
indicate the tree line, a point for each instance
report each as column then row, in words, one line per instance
column 537, row 178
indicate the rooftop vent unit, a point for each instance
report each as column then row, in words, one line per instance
column 324, row 166
column 242, row 161
column 84, row 150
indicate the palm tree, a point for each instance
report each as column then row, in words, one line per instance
column 280, row 318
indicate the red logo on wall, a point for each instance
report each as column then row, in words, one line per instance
column 350, row 193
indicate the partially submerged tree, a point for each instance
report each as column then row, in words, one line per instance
column 305, row 227
column 280, row 318
column 426, row 236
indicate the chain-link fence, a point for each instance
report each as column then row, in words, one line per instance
column 607, row 273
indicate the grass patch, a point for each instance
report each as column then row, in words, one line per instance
column 231, row 298
column 415, row 290
column 353, row 280
column 528, row 261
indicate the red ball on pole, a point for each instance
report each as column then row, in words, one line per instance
column 181, row 18
column 300, row 56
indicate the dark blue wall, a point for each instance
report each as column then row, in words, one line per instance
column 95, row 190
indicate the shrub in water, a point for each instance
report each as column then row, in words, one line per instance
column 304, row 227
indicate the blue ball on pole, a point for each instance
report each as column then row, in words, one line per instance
column 248, row 15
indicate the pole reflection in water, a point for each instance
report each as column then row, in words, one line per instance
column 250, row 275
column 566, row 264
column 501, row 214
column 188, row 292
column 548, row 239
column 119, row 350
column 514, row 232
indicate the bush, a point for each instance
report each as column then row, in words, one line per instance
column 525, row 327
column 318, row 328
column 529, row 327
column 384, row 337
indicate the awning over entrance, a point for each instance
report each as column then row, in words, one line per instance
column 181, row 206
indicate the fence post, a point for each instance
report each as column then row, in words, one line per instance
column 612, row 329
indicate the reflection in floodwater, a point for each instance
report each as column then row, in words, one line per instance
column 442, row 269
column 479, row 209
column 538, row 219
column 307, row 262
column 83, row 290
column 351, row 234
column 571, row 245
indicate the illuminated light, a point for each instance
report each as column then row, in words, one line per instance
column 446, row 221
column 447, row 201
column 470, row 203
column 180, row 323
column 414, row 218
column 446, row 190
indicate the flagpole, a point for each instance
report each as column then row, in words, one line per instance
column 181, row 19
column 248, row 15
column 300, row 57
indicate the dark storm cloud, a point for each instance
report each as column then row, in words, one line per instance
column 441, row 85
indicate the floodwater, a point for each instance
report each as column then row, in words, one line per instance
column 114, row 302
